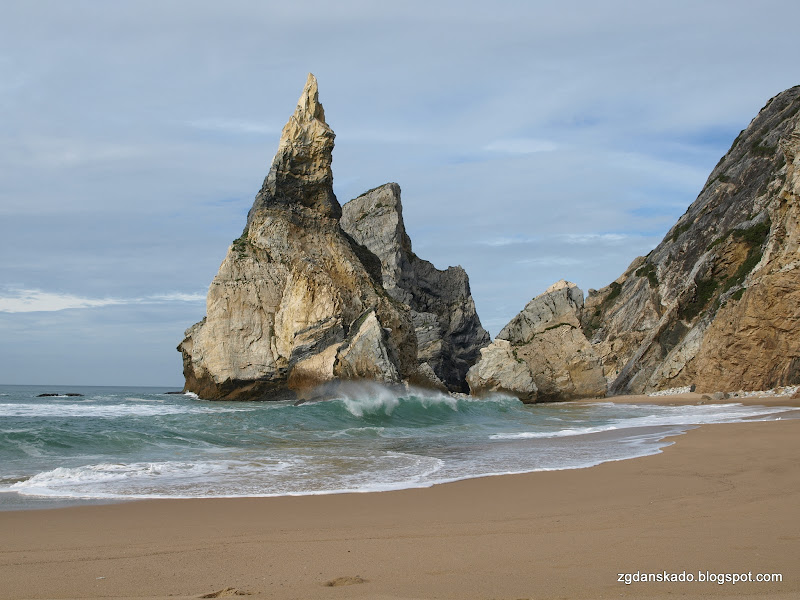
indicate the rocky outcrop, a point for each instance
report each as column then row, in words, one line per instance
column 542, row 354
column 287, row 308
column 298, row 303
column 500, row 370
column 715, row 304
column 448, row 330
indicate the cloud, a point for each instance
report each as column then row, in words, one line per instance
column 67, row 152
column 549, row 261
column 581, row 239
column 613, row 239
column 510, row 240
column 581, row 132
column 234, row 126
column 33, row 300
column 521, row 146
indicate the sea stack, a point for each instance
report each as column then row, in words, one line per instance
column 297, row 302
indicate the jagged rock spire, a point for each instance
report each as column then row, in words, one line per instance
column 301, row 170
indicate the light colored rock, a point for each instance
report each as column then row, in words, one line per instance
column 499, row 371
column 287, row 295
column 563, row 365
column 301, row 172
column 367, row 355
column 560, row 304
column 545, row 343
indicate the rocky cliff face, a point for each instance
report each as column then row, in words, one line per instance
column 448, row 330
column 297, row 302
column 542, row 354
column 716, row 303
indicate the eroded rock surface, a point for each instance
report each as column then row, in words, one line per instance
column 542, row 354
column 292, row 289
column 715, row 304
column 298, row 303
column 448, row 330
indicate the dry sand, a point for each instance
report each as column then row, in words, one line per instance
column 723, row 499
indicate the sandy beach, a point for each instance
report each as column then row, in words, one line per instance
column 723, row 499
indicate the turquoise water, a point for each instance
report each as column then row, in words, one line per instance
column 117, row 443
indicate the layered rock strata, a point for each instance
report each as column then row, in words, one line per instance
column 717, row 303
column 542, row 354
column 448, row 330
column 297, row 302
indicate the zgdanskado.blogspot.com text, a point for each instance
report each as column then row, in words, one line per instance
column 699, row 577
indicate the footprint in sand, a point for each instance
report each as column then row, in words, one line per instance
column 226, row 593
column 349, row 580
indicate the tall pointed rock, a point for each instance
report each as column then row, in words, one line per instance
column 301, row 170
column 293, row 304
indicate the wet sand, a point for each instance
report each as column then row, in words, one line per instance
column 721, row 499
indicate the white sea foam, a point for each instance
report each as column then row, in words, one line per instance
column 371, row 398
column 666, row 416
column 104, row 411
column 526, row 435
column 231, row 478
column 145, row 479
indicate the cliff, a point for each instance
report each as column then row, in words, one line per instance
column 716, row 304
column 449, row 332
column 297, row 302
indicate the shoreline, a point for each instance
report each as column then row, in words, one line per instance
column 14, row 501
column 695, row 398
column 721, row 497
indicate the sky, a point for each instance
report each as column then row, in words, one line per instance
column 533, row 141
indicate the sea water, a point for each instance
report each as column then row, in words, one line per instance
column 115, row 443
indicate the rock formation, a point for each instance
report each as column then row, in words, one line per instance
column 542, row 354
column 716, row 304
column 297, row 302
column 449, row 332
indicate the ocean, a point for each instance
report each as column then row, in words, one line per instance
column 124, row 443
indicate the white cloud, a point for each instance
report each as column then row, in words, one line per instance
column 65, row 152
column 177, row 297
column 613, row 239
column 547, row 261
column 32, row 300
column 521, row 146
column 582, row 239
column 510, row 240
column 233, row 126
